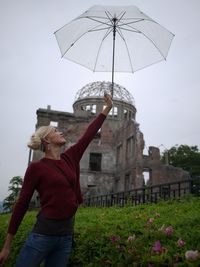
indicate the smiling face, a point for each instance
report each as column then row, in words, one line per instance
column 55, row 137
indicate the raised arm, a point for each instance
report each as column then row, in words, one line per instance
column 79, row 148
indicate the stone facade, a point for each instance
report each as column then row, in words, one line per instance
column 114, row 160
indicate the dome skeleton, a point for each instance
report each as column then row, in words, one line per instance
column 97, row 90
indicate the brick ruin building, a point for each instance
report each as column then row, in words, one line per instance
column 114, row 161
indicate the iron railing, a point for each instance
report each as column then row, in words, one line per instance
column 147, row 194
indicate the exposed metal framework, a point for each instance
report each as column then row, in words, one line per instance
column 97, row 89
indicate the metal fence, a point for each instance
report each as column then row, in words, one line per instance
column 147, row 194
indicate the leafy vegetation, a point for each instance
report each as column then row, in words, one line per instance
column 14, row 188
column 184, row 156
column 156, row 235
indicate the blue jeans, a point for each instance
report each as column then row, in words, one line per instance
column 53, row 250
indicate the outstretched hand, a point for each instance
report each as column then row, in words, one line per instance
column 108, row 100
column 3, row 256
column 109, row 104
column 4, row 253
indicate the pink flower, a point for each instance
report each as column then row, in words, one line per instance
column 131, row 238
column 180, row 243
column 114, row 238
column 150, row 220
column 191, row 255
column 169, row 230
column 157, row 247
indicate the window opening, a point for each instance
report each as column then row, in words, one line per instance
column 130, row 147
column 93, row 109
column 53, row 123
column 127, row 184
column 125, row 113
column 119, row 155
column 95, row 161
column 115, row 111
column 87, row 107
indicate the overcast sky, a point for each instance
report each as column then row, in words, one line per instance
column 33, row 75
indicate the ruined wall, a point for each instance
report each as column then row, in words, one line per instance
column 129, row 149
column 162, row 173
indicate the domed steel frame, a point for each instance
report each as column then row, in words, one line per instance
column 97, row 90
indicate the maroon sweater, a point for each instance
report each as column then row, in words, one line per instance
column 59, row 195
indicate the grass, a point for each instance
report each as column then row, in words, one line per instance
column 102, row 235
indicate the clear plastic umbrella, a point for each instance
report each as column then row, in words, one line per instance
column 114, row 38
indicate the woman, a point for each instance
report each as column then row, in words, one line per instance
column 56, row 178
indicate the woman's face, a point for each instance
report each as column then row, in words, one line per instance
column 56, row 137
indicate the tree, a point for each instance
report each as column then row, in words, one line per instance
column 15, row 185
column 185, row 157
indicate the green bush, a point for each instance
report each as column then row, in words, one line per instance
column 126, row 236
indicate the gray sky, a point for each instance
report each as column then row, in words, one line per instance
column 33, row 75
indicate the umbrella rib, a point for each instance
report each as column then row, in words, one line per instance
column 98, row 17
column 108, row 32
column 110, row 16
column 136, row 21
column 72, row 44
column 133, row 30
column 122, row 14
column 83, row 17
column 154, row 45
column 132, row 22
column 99, row 29
column 98, row 21
column 121, row 35
column 76, row 41
column 137, row 31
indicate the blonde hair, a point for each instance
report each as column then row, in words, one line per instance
column 35, row 142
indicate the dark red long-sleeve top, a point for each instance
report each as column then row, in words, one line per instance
column 59, row 195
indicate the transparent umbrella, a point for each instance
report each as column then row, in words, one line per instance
column 114, row 38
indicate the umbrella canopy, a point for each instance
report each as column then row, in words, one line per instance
column 114, row 38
